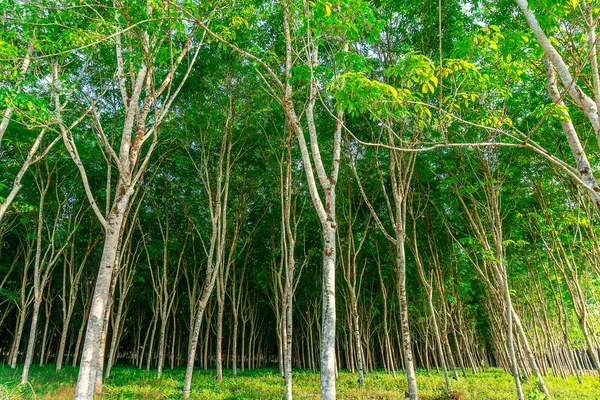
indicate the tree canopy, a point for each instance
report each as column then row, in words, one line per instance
column 344, row 184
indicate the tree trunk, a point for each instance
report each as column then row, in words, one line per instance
column 438, row 339
column 173, row 340
column 37, row 285
column 328, row 369
column 79, row 337
column 93, row 336
column 114, row 340
column 413, row 393
column 511, row 343
column 234, row 345
column 530, row 356
column 219, row 349
column 151, row 346
column 31, row 341
column 161, row 344
column 187, row 383
column 98, row 383
column 47, row 308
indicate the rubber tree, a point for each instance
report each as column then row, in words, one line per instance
column 306, row 27
column 558, row 71
column 47, row 254
column 215, row 178
column 148, row 81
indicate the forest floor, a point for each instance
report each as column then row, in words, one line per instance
column 131, row 383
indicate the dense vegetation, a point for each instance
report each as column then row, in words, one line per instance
column 265, row 384
column 354, row 187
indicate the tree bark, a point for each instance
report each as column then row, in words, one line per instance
column 91, row 348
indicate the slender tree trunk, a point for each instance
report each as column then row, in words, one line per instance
column 98, row 383
column 93, row 336
column 62, row 344
column 234, row 345
column 287, row 357
column 206, row 338
column 187, row 386
column 530, row 356
column 590, row 345
column 357, row 338
column 510, row 340
column 151, row 346
column 79, row 337
column 48, row 308
column 17, row 340
column 219, row 350
column 37, row 284
column 438, row 339
column 114, row 340
column 161, row 344
column 406, row 342
column 243, row 360
column 328, row 369
column 174, row 335
column 31, row 341
column 143, row 349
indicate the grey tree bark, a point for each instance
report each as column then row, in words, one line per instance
column 131, row 161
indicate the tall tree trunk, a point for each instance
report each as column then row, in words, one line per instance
column 219, row 349
column 510, row 340
column 438, row 339
column 328, row 368
column 187, row 385
column 93, row 337
column 151, row 346
column 31, row 342
column 47, row 309
column 161, row 344
column 234, row 346
column 403, row 302
column 529, row 354
column 98, row 383
column 37, row 284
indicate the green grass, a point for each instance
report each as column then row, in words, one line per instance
column 130, row 383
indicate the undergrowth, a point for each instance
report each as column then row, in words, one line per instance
column 264, row 384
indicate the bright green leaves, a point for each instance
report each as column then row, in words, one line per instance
column 348, row 19
column 512, row 243
column 453, row 66
column 8, row 49
column 414, row 79
column 465, row 82
column 414, row 76
column 489, row 36
column 553, row 8
column 357, row 94
column 228, row 30
column 558, row 112
column 414, row 72
column 413, row 88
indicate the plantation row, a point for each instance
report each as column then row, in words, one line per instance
column 322, row 186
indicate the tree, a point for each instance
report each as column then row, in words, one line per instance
column 144, row 88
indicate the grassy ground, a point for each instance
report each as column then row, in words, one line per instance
column 130, row 383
